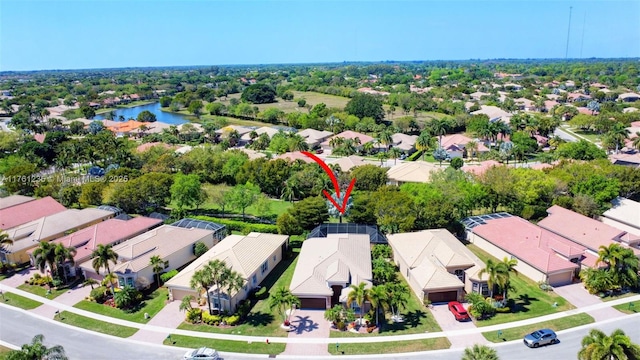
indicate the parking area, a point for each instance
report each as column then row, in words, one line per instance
column 447, row 322
column 308, row 324
column 578, row 296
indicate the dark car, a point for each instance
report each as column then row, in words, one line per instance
column 458, row 311
column 541, row 337
column 319, row 151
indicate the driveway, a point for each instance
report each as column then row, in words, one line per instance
column 447, row 322
column 579, row 297
column 308, row 324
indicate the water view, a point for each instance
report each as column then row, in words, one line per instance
column 132, row 113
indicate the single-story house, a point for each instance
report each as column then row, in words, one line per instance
column 314, row 137
column 480, row 168
column 108, row 232
column 293, row 156
column 13, row 200
column 624, row 215
column 494, row 113
column 404, row 142
column 47, row 228
column 262, row 130
column 171, row 243
column 575, row 97
column 586, row 231
column 411, row 171
column 326, row 145
column 455, row 145
column 541, row 254
column 629, row 97
column 346, row 163
column 253, row 256
column 27, row 211
column 437, row 266
column 326, row 268
column 477, row 96
column 632, row 160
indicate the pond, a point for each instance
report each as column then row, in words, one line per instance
column 162, row 116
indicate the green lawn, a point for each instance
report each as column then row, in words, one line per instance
column 277, row 206
column 20, row 301
column 261, row 321
column 621, row 296
column 530, row 300
column 42, row 291
column 628, row 308
column 389, row 347
column 152, row 305
column 417, row 320
column 556, row 325
column 226, row 345
column 95, row 325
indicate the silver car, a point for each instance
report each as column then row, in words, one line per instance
column 541, row 337
column 204, row 353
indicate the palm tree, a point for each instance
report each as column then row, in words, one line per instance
column 201, row 279
column 44, row 255
column 424, row 143
column 378, row 299
column 508, row 266
column 496, row 277
column 394, row 153
column 398, row 295
column 480, row 352
column 185, row 304
column 359, row 294
column 63, row 254
column 439, row 127
column 5, row 241
column 282, row 299
column 617, row 135
column 36, row 350
column 609, row 255
column 110, row 279
column 158, row 265
column 386, row 138
column 382, row 155
column 217, row 269
column 472, row 149
column 598, row 346
column 233, row 281
column 102, row 255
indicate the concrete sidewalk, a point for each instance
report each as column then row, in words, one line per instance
column 164, row 330
column 170, row 317
column 577, row 295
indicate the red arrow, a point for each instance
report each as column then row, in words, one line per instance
column 342, row 207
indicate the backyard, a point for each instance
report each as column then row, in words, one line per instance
column 530, row 300
column 152, row 304
column 261, row 321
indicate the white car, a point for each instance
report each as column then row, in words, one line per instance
column 204, row 353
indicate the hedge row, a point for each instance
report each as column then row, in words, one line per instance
column 168, row 275
column 415, row 156
column 237, row 225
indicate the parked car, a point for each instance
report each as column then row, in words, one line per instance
column 203, row 353
column 403, row 156
column 459, row 311
column 319, row 151
column 541, row 337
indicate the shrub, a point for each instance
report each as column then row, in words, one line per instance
column 262, row 293
column 244, row 307
column 57, row 282
column 126, row 297
column 168, row 275
column 242, row 226
column 195, row 315
column 504, row 309
column 99, row 294
column 232, row 320
column 415, row 156
column 211, row 319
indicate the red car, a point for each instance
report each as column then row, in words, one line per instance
column 459, row 311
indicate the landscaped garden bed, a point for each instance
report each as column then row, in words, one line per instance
column 150, row 303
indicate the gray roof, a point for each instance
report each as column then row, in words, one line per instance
column 626, row 211
column 12, row 200
column 188, row 223
column 327, row 229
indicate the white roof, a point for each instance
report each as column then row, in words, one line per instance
column 404, row 141
column 229, row 128
column 349, row 162
column 626, row 211
column 493, row 112
column 243, row 254
column 412, row 171
column 263, row 130
column 340, row 258
column 12, row 200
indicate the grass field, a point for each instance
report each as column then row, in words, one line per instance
column 277, row 206
column 261, row 321
column 389, row 347
column 629, row 308
column 226, row 345
column 95, row 325
column 20, row 301
column 556, row 325
column 152, row 305
column 42, row 291
column 531, row 301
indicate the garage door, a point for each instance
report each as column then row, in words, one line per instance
column 313, row 303
column 444, row 296
column 561, row 279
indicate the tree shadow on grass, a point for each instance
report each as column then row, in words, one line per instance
column 412, row 319
column 259, row 319
column 521, row 303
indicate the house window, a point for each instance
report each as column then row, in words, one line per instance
column 476, row 287
column 255, row 279
column 459, row 274
column 485, row 290
column 264, row 267
column 355, row 307
column 120, row 281
column 130, row 281
column 274, row 258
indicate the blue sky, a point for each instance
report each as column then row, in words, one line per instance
column 38, row 35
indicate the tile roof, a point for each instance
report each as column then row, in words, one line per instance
column 293, row 156
column 531, row 244
column 626, row 211
column 338, row 257
column 460, row 141
column 106, row 233
column 412, row 171
column 481, row 168
column 28, row 211
column 403, row 141
column 13, row 200
column 350, row 135
column 262, row 130
column 243, row 254
column 580, row 229
column 349, row 162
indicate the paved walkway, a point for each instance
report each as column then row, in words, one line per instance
column 448, row 322
column 170, row 317
column 314, row 340
column 577, row 295
column 308, row 324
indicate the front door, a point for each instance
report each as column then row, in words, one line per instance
column 335, row 298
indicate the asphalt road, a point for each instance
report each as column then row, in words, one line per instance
column 17, row 327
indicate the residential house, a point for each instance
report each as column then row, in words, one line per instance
column 327, row 266
column 241, row 130
column 25, row 212
column 411, row 171
column 524, row 104
column 405, row 143
column 326, row 145
column 576, row 97
column 295, row 155
column 437, row 266
column 494, row 113
column 253, row 256
column 586, row 231
column 455, row 145
column 262, row 130
column 146, row 146
column 632, row 160
column 47, row 228
column 314, row 137
column 624, row 215
column 542, row 255
column 13, row 200
column 171, row 243
column 480, row 168
column 629, row 97
column 477, row 96
column 370, row 91
column 346, row 163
